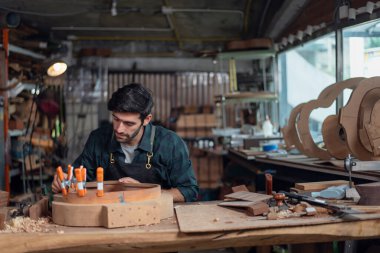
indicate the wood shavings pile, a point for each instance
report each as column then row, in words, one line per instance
column 25, row 224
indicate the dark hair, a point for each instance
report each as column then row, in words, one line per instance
column 132, row 97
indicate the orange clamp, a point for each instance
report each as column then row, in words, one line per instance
column 70, row 175
column 100, row 179
column 84, row 179
column 61, row 177
column 80, row 187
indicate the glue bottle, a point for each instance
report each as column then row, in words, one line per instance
column 267, row 127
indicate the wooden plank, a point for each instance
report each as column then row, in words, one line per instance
column 213, row 218
column 237, row 203
column 249, row 196
column 320, row 185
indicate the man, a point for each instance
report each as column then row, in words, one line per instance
column 133, row 150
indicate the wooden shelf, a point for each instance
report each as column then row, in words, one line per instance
column 247, row 97
column 247, row 55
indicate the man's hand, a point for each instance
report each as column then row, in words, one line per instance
column 128, row 180
column 56, row 184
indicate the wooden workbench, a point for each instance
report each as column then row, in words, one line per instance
column 166, row 237
column 296, row 169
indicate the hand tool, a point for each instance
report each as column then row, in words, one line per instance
column 80, row 188
column 62, row 179
column 100, row 179
column 341, row 210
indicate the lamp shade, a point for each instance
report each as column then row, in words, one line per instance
column 57, row 68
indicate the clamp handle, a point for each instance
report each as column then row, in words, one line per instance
column 61, row 177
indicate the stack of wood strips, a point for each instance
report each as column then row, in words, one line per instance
column 4, row 198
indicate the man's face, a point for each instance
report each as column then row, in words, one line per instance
column 128, row 127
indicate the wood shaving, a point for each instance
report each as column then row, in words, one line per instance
column 284, row 214
column 25, row 224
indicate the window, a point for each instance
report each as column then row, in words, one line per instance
column 304, row 72
column 361, row 52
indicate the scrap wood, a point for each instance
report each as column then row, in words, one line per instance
column 4, row 198
column 257, row 209
column 249, row 196
column 367, row 209
column 240, row 188
column 39, row 209
column 308, row 186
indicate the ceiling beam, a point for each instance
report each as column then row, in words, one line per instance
column 289, row 11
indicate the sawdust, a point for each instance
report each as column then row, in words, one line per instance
column 27, row 225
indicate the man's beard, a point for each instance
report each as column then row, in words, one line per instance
column 128, row 138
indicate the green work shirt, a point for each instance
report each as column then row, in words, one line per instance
column 170, row 157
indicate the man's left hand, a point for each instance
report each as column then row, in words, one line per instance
column 128, row 180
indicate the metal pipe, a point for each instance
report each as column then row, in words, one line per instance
column 146, row 38
column 170, row 10
column 110, row 29
column 23, row 51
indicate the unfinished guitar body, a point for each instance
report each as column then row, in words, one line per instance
column 325, row 99
column 290, row 131
column 122, row 205
column 355, row 130
column 334, row 137
column 360, row 120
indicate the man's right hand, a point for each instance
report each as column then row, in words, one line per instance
column 56, row 184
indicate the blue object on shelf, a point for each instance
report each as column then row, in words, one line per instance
column 270, row 147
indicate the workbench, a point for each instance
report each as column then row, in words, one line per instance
column 166, row 237
column 297, row 169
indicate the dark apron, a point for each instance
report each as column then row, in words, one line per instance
column 143, row 172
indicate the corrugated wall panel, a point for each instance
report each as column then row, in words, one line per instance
column 172, row 90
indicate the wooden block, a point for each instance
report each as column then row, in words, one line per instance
column 131, row 214
column 320, row 185
column 39, row 209
column 257, row 209
column 240, row 188
column 3, row 217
